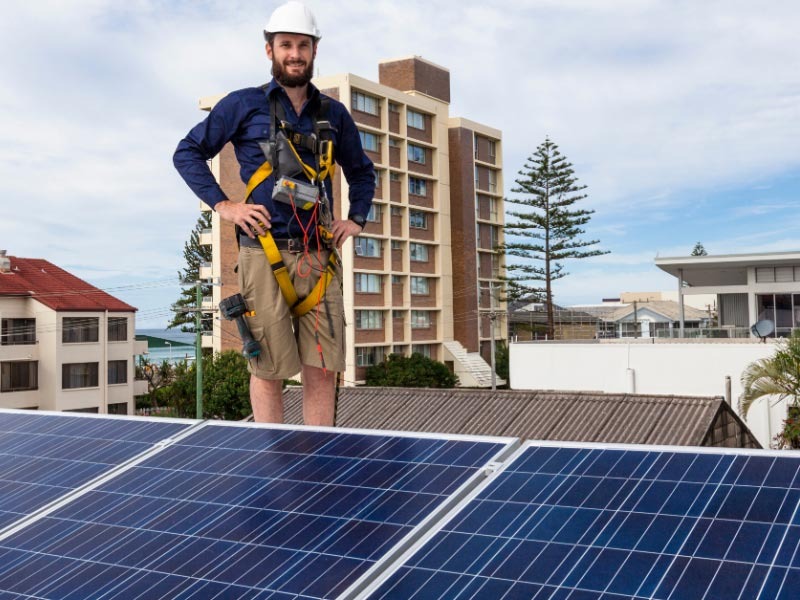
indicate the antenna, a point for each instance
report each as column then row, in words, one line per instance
column 762, row 329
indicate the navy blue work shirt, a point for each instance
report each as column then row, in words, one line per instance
column 243, row 118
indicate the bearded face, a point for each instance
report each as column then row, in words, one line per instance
column 292, row 57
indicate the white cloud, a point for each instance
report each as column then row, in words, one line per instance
column 650, row 99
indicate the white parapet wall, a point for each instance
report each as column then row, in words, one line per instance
column 669, row 368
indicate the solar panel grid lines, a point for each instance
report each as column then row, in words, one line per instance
column 599, row 521
column 45, row 456
column 202, row 518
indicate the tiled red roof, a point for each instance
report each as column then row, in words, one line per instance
column 55, row 288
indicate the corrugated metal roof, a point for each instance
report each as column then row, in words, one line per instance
column 531, row 415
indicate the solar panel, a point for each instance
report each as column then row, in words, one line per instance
column 43, row 456
column 244, row 511
column 584, row 522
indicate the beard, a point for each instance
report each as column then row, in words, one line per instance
column 287, row 80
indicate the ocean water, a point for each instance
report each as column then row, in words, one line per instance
column 177, row 347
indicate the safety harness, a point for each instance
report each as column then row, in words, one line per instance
column 321, row 145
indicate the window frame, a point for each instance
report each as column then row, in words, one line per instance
column 369, row 319
column 420, row 286
column 117, row 325
column 370, row 247
column 415, row 119
column 417, row 219
column 417, row 186
column 92, row 374
column 86, row 329
column 361, row 278
column 361, row 102
column 115, row 371
column 419, row 154
column 420, row 248
column 18, row 331
column 7, row 376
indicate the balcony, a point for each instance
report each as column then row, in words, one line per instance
column 206, row 237
column 206, row 271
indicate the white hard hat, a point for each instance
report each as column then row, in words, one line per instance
column 293, row 17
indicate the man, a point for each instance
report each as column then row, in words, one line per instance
column 259, row 121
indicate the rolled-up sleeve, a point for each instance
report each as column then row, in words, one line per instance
column 203, row 143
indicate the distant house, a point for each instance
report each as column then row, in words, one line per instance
column 748, row 287
column 65, row 345
column 540, row 415
column 657, row 318
column 527, row 321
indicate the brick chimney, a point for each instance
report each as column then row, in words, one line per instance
column 415, row 74
column 5, row 262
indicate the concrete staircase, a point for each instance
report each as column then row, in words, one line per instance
column 470, row 367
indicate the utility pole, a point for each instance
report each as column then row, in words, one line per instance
column 492, row 317
column 198, row 360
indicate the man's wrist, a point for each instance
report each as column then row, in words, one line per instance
column 359, row 220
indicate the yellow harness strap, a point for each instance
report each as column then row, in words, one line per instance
column 297, row 306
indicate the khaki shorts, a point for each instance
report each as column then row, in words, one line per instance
column 288, row 343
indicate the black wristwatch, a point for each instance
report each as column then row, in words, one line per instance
column 359, row 220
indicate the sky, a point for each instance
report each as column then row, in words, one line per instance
column 682, row 118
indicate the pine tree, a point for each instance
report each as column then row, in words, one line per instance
column 699, row 250
column 546, row 229
column 195, row 254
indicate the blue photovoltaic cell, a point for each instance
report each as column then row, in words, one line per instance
column 591, row 523
column 241, row 512
column 43, row 456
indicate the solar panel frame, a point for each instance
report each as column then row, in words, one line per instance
column 113, row 469
column 487, row 455
column 768, row 588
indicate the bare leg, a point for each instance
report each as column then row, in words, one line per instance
column 266, row 397
column 319, row 390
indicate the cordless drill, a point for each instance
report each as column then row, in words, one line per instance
column 233, row 308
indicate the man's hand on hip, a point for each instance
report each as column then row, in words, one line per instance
column 251, row 218
column 343, row 229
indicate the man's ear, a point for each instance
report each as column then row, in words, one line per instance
column 268, row 48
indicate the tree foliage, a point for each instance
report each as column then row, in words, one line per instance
column 226, row 392
column 194, row 254
column 777, row 377
column 546, row 230
column 414, row 371
column 501, row 360
column 699, row 250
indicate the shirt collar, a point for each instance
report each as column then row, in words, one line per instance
column 313, row 92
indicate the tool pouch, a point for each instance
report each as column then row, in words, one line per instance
column 294, row 191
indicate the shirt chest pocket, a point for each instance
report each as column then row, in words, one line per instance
column 256, row 129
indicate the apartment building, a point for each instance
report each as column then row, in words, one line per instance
column 424, row 274
column 64, row 344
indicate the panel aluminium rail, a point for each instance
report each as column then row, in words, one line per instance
column 44, row 455
column 590, row 521
column 245, row 511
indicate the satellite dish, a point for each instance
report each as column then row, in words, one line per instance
column 762, row 329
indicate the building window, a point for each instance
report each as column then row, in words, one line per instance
column 117, row 371
column 78, row 330
column 394, row 143
column 369, row 247
column 378, row 175
column 367, row 104
column 418, row 252
column 417, row 186
column 397, row 245
column 374, row 214
column 79, row 375
column 118, row 408
column 397, row 211
column 367, row 357
column 416, row 154
column 397, row 280
column 369, row 319
column 368, row 283
column 419, row 286
column 369, row 141
column 492, row 181
column 394, row 176
column 423, row 349
column 18, row 332
column 118, row 329
column 492, row 148
column 415, row 119
column 417, row 219
column 19, row 376
column 394, row 107
column 420, row 319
